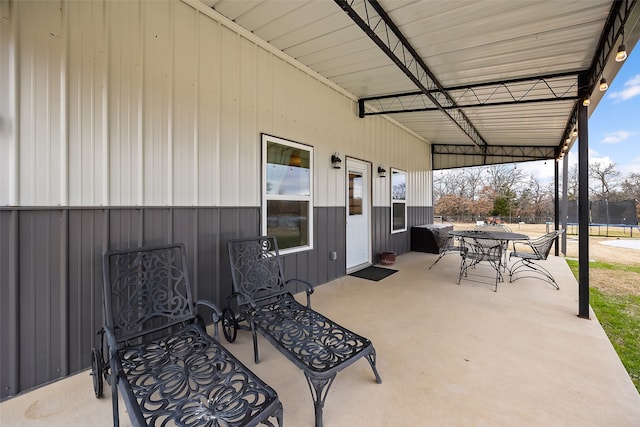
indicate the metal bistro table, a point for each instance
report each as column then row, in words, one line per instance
column 502, row 236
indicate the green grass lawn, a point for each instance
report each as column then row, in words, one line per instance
column 619, row 315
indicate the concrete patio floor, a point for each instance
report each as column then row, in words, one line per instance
column 448, row 355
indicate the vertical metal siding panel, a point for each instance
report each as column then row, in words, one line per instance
column 126, row 67
column 41, row 335
column 125, row 228
column 86, row 104
column 39, row 38
column 248, row 173
column 279, row 85
column 318, row 264
column 334, row 232
column 209, row 81
column 185, row 99
column 209, row 258
column 265, row 91
column 158, row 226
column 9, row 303
column 157, row 107
column 293, row 112
column 8, row 105
column 235, row 223
column 185, row 230
column 27, row 310
column 231, row 168
column 86, row 244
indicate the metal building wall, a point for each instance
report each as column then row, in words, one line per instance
column 157, row 104
column 129, row 123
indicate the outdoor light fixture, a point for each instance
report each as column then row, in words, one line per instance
column 586, row 102
column 382, row 172
column 622, row 50
column 603, row 84
column 575, row 132
column 336, row 161
column 567, row 141
column 622, row 53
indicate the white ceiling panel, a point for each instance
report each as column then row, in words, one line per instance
column 462, row 43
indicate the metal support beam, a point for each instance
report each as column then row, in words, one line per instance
column 472, row 155
column 564, row 210
column 556, row 203
column 374, row 21
column 546, row 88
column 583, row 211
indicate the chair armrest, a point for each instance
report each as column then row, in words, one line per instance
column 526, row 243
column 216, row 314
column 309, row 289
column 111, row 341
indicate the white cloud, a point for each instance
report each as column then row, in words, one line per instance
column 631, row 89
column 616, row 137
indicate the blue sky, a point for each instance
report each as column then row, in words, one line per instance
column 614, row 126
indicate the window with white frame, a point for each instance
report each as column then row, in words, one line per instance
column 287, row 199
column 398, row 200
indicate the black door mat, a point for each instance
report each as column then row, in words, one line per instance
column 373, row 273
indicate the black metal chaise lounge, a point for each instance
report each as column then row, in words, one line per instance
column 315, row 344
column 154, row 348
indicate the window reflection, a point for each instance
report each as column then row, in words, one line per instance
column 288, row 220
column 288, row 170
column 287, row 192
column 398, row 200
column 356, row 188
column 398, row 185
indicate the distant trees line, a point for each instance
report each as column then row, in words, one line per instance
column 514, row 195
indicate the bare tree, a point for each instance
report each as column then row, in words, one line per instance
column 573, row 183
column 505, row 178
column 606, row 179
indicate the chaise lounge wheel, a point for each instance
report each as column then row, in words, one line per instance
column 229, row 325
column 97, row 372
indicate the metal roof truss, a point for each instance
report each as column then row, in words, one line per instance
column 447, row 156
column 373, row 20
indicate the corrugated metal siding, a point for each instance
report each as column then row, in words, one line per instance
column 137, row 123
column 399, row 243
column 51, row 274
column 157, row 104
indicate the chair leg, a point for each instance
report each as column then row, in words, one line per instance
column 525, row 265
column 319, row 389
column 436, row 261
column 371, row 358
column 256, row 357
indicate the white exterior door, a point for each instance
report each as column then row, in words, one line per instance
column 358, row 215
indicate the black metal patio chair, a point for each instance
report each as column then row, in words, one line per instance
column 493, row 227
column 447, row 244
column 532, row 252
column 476, row 250
column 155, row 349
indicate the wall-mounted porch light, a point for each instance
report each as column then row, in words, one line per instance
column 382, row 172
column 336, row 161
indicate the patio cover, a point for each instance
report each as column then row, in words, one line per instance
column 485, row 82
